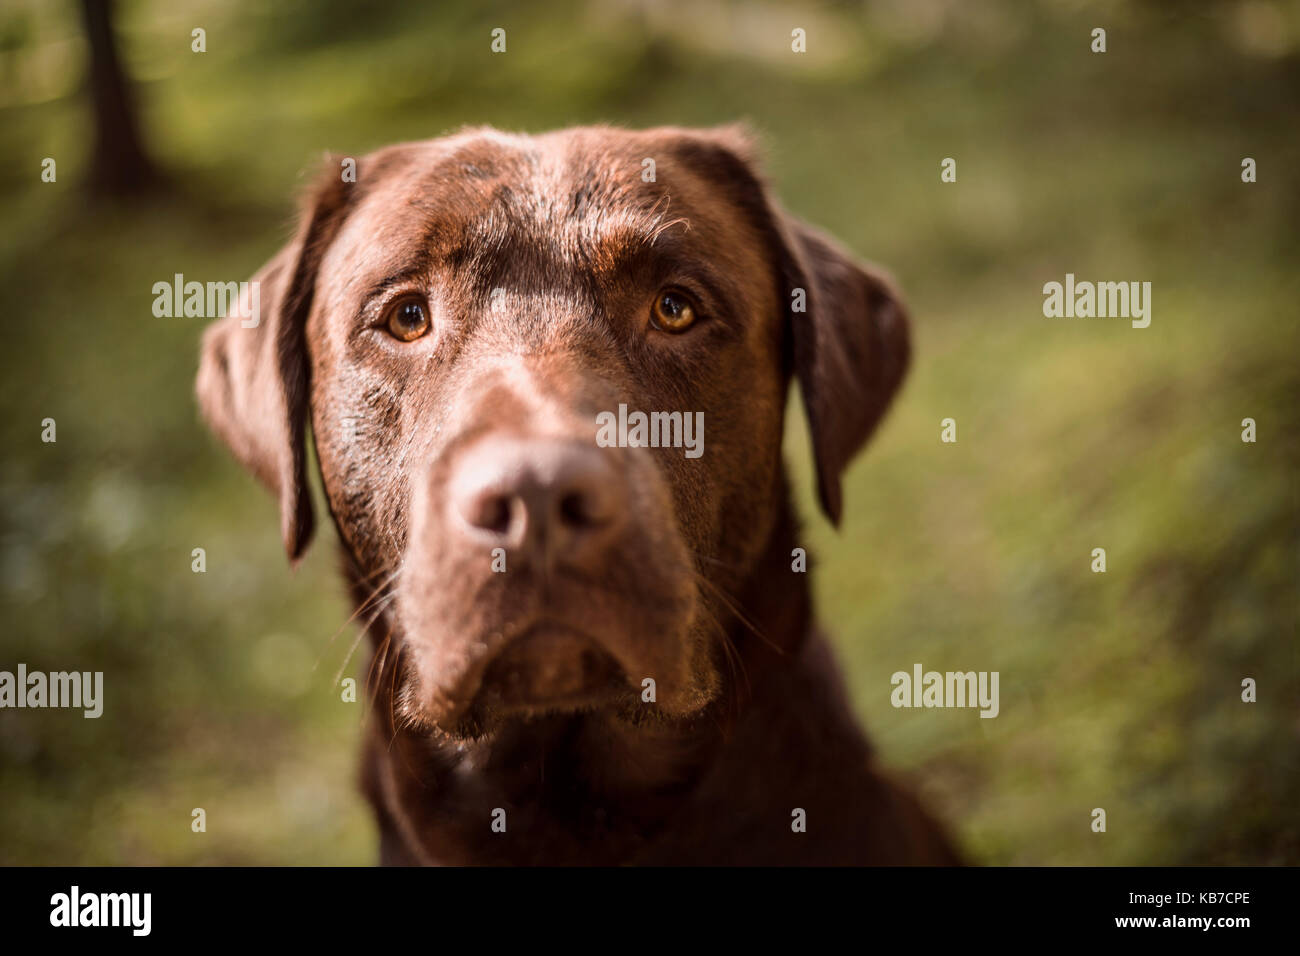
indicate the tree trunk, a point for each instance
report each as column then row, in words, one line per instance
column 119, row 166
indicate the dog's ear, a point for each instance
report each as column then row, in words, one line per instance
column 253, row 374
column 851, row 347
column 847, row 326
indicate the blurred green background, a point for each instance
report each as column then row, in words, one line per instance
column 1118, row 690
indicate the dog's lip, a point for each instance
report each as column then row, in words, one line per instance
column 551, row 666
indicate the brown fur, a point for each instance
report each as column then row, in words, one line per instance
column 689, row 581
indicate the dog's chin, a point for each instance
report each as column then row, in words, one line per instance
column 552, row 673
column 549, row 670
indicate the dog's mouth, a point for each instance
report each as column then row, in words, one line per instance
column 549, row 668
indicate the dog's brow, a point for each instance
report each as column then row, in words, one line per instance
column 616, row 241
column 636, row 224
column 416, row 268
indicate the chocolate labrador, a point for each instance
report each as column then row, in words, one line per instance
column 546, row 377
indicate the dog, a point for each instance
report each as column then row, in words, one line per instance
column 583, row 653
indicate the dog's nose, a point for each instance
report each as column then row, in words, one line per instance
column 548, row 499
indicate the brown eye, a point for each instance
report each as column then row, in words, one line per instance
column 408, row 320
column 673, row 312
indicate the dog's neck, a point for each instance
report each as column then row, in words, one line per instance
column 571, row 773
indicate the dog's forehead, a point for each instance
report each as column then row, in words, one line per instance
column 584, row 198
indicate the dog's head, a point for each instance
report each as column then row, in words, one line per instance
column 473, row 325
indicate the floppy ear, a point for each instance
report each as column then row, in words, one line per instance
column 849, row 329
column 252, row 383
column 851, row 348
column 850, row 339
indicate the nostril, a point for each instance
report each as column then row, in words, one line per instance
column 576, row 510
column 491, row 512
column 556, row 498
column 494, row 514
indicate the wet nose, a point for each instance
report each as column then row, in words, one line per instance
column 557, row 501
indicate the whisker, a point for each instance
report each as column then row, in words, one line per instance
column 735, row 663
column 381, row 656
column 376, row 669
column 361, row 632
column 740, row 616
column 374, row 596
